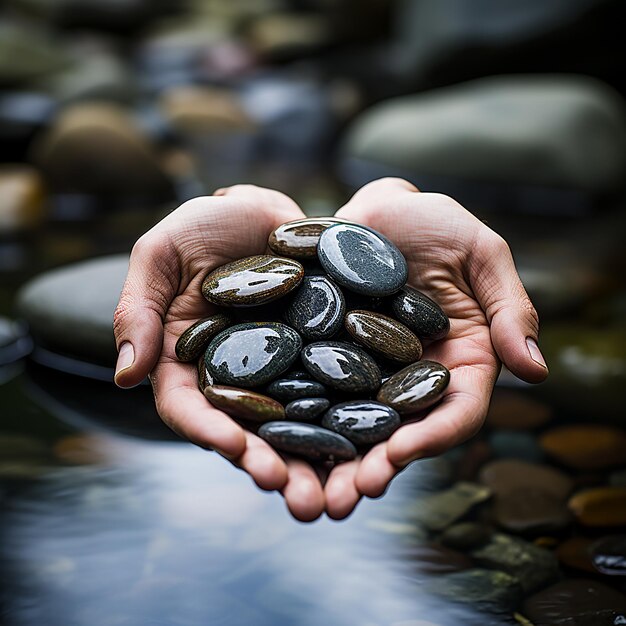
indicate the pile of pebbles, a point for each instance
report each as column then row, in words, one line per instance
column 333, row 297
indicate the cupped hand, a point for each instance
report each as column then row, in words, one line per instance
column 469, row 271
column 162, row 297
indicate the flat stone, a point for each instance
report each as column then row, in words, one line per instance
column 252, row 281
column 575, row 553
column 249, row 355
column 193, row 342
column 466, row 535
column 514, row 410
column 317, row 308
column 362, row 260
column 307, row 440
column 384, row 335
column 415, row 387
column 513, row 444
column 22, row 196
column 244, row 404
column 603, row 506
column 285, row 389
column 435, row 559
column 341, row 366
column 608, row 555
column 306, row 409
column 362, row 421
column 420, row 313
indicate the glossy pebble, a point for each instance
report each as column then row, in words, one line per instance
column 286, row 390
column 308, row 440
column 244, row 404
column 204, row 378
column 306, row 409
column 298, row 239
column 415, row 387
column 193, row 342
column 362, row 260
column 384, row 335
column 249, row 355
column 362, row 421
column 341, row 366
column 252, row 281
column 421, row 314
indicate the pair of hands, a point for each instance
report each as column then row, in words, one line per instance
column 451, row 255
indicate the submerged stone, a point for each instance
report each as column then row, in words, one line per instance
column 286, row 390
column 306, row 409
column 362, row 421
column 298, row 239
column 244, row 404
column 192, row 343
column 420, row 313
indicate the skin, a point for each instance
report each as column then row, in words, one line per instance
column 452, row 256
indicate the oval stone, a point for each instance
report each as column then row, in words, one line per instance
column 253, row 354
column 298, row 239
column 204, row 378
column 341, row 366
column 285, row 389
column 362, row 260
column 317, row 308
column 244, row 404
column 384, row 335
column 192, row 343
column 601, row 506
column 415, row 387
column 308, row 440
column 362, row 421
column 252, row 281
column 306, row 409
column 421, row 314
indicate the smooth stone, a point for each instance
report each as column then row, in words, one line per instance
column 362, row 260
column 244, row 404
column 341, row 366
column 384, row 335
column 317, row 308
column 298, row 239
column 608, row 555
column 514, row 410
column 204, row 377
column 415, row 387
column 249, row 355
column 512, row 444
column 306, row 409
column 435, row 559
column 193, row 342
column 252, row 281
column 362, row 421
column 575, row 553
column 603, row 506
column 420, row 313
column 287, row 390
column 576, row 602
column 298, row 375
column 466, row 535
column 22, row 197
column 307, row 440
column 586, row 446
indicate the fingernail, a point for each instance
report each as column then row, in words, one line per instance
column 535, row 352
column 125, row 358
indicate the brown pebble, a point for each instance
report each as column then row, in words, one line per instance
column 192, row 343
column 244, row 404
column 512, row 410
column 604, row 506
column 298, row 239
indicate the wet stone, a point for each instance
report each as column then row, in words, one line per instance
column 250, row 355
column 421, row 314
column 286, row 390
column 317, row 308
column 575, row 553
column 603, row 506
column 363, row 422
column 362, row 260
column 415, row 387
column 244, row 404
column 435, row 559
column 513, row 410
column 608, row 555
column 252, row 281
column 466, row 535
column 341, row 366
column 306, row 409
column 383, row 335
column 204, row 377
column 307, row 440
column 193, row 342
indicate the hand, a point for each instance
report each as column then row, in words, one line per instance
column 467, row 269
column 161, row 298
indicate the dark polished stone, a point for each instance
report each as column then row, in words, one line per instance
column 306, row 409
column 415, row 387
column 252, row 281
column 341, row 366
column 466, row 535
column 608, row 555
column 362, row 421
column 192, row 343
column 307, row 440
column 317, row 308
column 384, row 335
column 285, row 389
column 204, row 378
column 244, row 404
column 421, row 314
column 362, row 260
column 249, row 355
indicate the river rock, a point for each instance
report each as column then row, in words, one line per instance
column 362, row 260
column 513, row 410
column 415, row 387
column 193, row 342
column 435, row 559
column 341, row 366
column 603, row 506
column 249, row 355
column 608, row 555
column 252, row 281
column 575, row 553
column 244, row 404
column 317, row 308
column 466, row 535
column 420, row 313
column 204, row 377
column 306, row 409
column 307, row 440
column 22, row 197
column 285, row 389
column 383, row 335
column 362, row 421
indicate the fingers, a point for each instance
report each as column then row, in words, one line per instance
column 341, row 492
column 375, row 472
column 265, row 466
column 303, row 492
